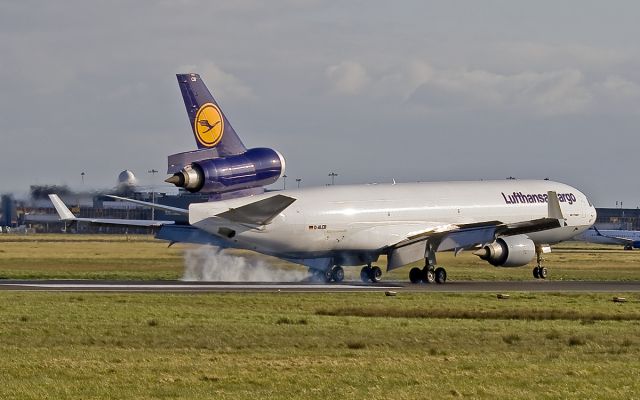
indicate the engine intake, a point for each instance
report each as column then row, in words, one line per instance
column 253, row 168
column 509, row 251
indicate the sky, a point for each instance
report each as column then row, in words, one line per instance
column 375, row 91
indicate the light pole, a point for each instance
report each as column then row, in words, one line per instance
column 82, row 174
column 333, row 176
column 284, row 182
column 298, row 180
column 153, row 173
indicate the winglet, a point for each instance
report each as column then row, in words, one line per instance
column 553, row 207
column 64, row 213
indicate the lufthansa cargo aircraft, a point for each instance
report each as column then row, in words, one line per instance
column 629, row 239
column 507, row 223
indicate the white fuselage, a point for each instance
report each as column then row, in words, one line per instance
column 366, row 218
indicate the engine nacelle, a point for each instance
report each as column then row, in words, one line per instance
column 509, row 251
column 253, row 168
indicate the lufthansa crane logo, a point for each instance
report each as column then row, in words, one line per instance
column 209, row 125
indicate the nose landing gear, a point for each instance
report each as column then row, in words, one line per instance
column 539, row 272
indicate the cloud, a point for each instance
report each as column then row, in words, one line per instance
column 526, row 54
column 347, row 78
column 223, row 84
column 546, row 93
column 619, row 87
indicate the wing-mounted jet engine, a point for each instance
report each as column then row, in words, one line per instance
column 222, row 166
column 508, row 251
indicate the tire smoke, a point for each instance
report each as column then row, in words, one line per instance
column 208, row 263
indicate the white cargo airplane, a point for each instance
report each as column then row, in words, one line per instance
column 507, row 223
column 629, row 239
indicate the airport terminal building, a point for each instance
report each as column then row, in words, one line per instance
column 618, row 218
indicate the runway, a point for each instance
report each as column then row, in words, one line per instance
column 183, row 286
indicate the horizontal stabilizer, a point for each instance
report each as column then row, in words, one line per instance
column 260, row 212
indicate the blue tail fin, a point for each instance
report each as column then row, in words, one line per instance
column 210, row 127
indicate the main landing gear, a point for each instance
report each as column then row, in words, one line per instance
column 429, row 273
column 333, row 274
column 370, row 274
column 539, row 272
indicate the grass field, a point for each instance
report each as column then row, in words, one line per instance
column 312, row 345
column 142, row 257
column 346, row 345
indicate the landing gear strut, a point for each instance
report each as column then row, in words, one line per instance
column 370, row 274
column 539, row 272
column 429, row 273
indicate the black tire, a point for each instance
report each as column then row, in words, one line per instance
column 542, row 273
column 375, row 275
column 428, row 274
column 328, row 275
column 337, row 273
column 536, row 272
column 415, row 275
column 628, row 247
column 440, row 275
column 365, row 274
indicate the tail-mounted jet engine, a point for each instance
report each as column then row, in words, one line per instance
column 508, row 251
column 254, row 168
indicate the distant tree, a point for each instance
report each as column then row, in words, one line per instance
column 42, row 191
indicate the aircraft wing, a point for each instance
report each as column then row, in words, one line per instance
column 152, row 205
column 66, row 215
column 620, row 239
column 459, row 237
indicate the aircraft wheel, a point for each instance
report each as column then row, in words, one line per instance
column 440, row 275
column 542, row 273
column 375, row 275
column 415, row 275
column 365, row 274
column 536, row 272
column 328, row 275
column 628, row 247
column 428, row 274
column 337, row 273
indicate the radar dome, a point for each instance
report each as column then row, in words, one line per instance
column 126, row 178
